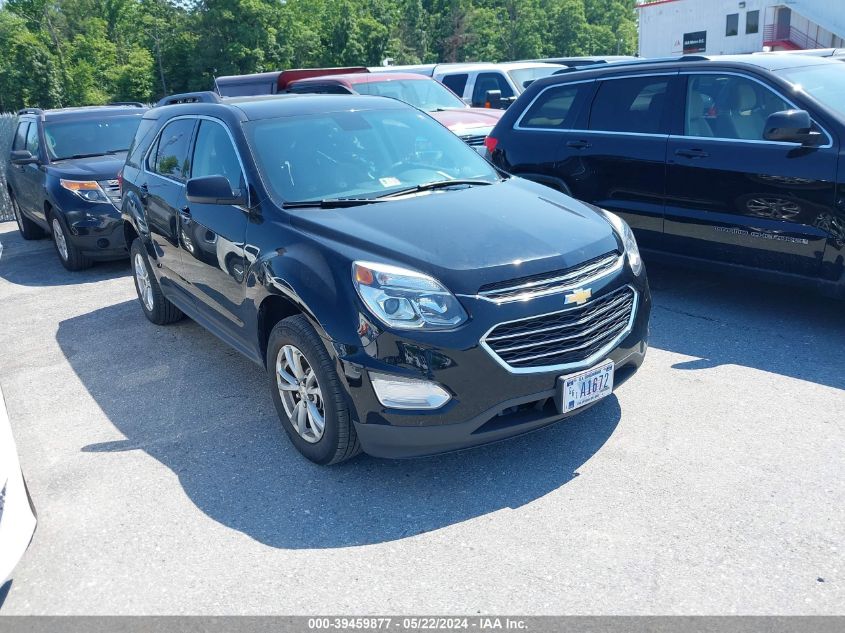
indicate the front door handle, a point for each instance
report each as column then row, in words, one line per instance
column 578, row 144
column 691, row 153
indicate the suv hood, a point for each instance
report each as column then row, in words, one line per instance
column 93, row 168
column 469, row 237
column 463, row 120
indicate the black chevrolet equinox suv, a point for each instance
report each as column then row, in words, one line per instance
column 733, row 162
column 62, row 178
column 404, row 297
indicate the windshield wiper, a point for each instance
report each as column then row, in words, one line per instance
column 329, row 203
column 92, row 155
column 439, row 184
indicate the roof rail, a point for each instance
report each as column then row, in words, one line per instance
column 633, row 62
column 133, row 104
column 206, row 96
column 30, row 111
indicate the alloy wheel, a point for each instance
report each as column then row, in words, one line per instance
column 59, row 238
column 145, row 286
column 300, row 392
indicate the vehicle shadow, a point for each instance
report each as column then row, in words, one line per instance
column 205, row 412
column 731, row 320
column 35, row 263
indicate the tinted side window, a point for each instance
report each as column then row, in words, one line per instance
column 171, row 156
column 138, row 146
column 214, row 155
column 32, row 143
column 555, row 108
column 456, row 83
column 489, row 81
column 630, row 105
column 729, row 106
column 20, row 136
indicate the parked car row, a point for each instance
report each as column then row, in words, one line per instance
column 376, row 265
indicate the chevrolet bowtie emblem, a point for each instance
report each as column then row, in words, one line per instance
column 579, row 297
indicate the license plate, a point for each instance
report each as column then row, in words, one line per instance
column 587, row 386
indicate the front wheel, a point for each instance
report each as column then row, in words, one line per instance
column 157, row 308
column 306, row 391
column 69, row 253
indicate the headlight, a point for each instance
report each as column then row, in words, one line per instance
column 88, row 190
column 406, row 299
column 629, row 242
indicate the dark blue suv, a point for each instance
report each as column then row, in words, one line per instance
column 63, row 178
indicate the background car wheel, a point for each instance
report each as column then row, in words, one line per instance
column 69, row 254
column 155, row 305
column 307, row 393
column 29, row 230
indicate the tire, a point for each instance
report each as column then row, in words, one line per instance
column 29, row 230
column 337, row 441
column 69, row 254
column 157, row 308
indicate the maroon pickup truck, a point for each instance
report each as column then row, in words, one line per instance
column 470, row 124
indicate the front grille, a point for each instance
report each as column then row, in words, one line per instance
column 474, row 140
column 568, row 337
column 112, row 189
column 554, row 282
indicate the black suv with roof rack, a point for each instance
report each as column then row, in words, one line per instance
column 405, row 297
column 63, row 178
column 732, row 162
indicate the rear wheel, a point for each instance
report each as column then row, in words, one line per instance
column 29, row 230
column 69, row 254
column 157, row 308
column 307, row 393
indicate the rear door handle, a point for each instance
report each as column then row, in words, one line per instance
column 144, row 190
column 578, row 144
column 691, row 153
column 185, row 214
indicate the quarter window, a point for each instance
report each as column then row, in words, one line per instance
column 20, row 136
column 214, row 155
column 554, row 108
column 456, row 83
column 485, row 82
column 729, row 106
column 630, row 105
column 732, row 24
column 171, row 155
column 752, row 22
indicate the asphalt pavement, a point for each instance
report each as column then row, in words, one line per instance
column 710, row 483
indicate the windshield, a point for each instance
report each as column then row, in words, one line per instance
column 523, row 77
column 425, row 94
column 359, row 154
column 90, row 137
column 825, row 83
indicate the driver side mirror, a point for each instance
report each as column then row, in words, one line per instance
column 213, row 190
column 791, row 126
column 23, row 157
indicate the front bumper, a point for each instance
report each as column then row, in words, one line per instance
column 98, row 232
column 489, row 401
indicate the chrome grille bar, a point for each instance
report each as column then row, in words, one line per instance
column 580, row 337
column 583, row 275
